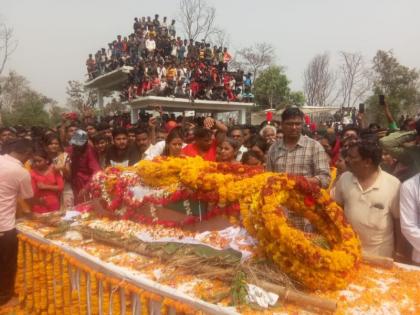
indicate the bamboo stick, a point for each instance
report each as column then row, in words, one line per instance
column 300, row 298
column 384, row 262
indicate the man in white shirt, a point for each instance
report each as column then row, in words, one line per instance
column 370, row 198
column 236, row 133
column 150, row 44
column 15, row 182
column 144, row 144
column 410, row 214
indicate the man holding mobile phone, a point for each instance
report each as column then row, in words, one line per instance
column 392, row 124
column 360, row 117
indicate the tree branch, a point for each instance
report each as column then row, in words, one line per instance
column 8, row 45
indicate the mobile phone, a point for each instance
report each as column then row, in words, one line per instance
column 382, row 100
column 361, row 108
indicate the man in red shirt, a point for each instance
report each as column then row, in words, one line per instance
column 206, row 140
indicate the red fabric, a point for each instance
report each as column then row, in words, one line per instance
column 335, row 152
column 230, row 95
column 226, row 80
column 214, row 74
column 307, row 119
column 170, row 125
column 83, row 167
column 155, row 83
column 146, row 86
column 51, row 198
column 192, row 150
column 269, row 116
column 139, row 89
column 312, row 126
column 194, row 88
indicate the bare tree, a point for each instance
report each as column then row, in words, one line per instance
column 197, row 18
column 7, row 45
column 220, row 38
column 80, row 98
column 355, row 79
column 319, row 81
column 256, row 58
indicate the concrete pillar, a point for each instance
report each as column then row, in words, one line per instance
column 101, row 99
column 242, row 116
column 134, row 115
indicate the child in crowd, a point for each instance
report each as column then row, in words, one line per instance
column 47, row 183
column 251, row 158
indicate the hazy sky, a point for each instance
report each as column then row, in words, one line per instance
column 55, row 36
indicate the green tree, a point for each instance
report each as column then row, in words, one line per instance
column 29, row 111
column 271, row 88
column 14, row 88
column 20, row 105
column 398, row 83
column 55, row 113
column 296, row 98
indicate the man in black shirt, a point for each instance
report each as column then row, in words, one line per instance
column 120, row 153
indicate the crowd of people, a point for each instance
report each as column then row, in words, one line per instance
column 377, row 181
column 166, row 65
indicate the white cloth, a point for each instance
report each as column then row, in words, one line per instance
column 241, row 151
column 150, row 44
column 157, row 149
column 161, row 72
column 410, row 213
column 261, row 297
column 150, row 153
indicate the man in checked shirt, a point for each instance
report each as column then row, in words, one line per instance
column 297, row 154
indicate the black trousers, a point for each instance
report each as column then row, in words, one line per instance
column 8, row 264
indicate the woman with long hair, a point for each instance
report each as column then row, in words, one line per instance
column 61, row 163
column 174, row 143
column 227, row 150
column 47, row 183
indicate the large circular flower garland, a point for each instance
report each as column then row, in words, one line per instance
column 262, row 198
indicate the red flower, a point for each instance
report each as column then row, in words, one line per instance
column 309, row 201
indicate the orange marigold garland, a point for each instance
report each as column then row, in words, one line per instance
column 263, row 198
column 29, row 301
column 105, row 297
column 36, row 279
column 20, row 277
column 83, row 293
column 66, row 285
column 144, row 304
column 43, row 279
column 75, row 300
column 61, row 267
column 291, row 249
column 116, row 300
column 50, row 285
column 94, row 301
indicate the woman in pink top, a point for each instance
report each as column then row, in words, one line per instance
column 47, row 183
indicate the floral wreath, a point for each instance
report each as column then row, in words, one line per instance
column 260, row 199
